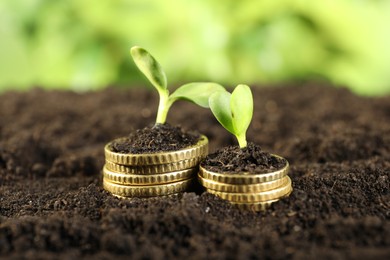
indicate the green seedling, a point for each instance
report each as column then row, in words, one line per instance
column 197, row 92
column 234, row 111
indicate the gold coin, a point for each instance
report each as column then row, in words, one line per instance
column 147, row 190
column 129, row 198
column 200, row 149
column 256, row 206
column 245, row 177
column 152, row 179
column 153, row 169
column 243, row 188
column 255, row 196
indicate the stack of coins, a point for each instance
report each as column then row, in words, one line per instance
column 248, row 191
column 152, row 174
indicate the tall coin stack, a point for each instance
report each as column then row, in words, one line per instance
column 152, row 174
column 248, row 191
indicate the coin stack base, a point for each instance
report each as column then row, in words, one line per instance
column 254, row 192
column 153, row 174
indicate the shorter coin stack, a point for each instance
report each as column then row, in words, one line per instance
column 152, row 174
column 248, row 191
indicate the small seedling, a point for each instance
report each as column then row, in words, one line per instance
column 197, row 92
column 234, row 111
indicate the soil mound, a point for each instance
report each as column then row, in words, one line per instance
column 159, row 138
column 251, row 159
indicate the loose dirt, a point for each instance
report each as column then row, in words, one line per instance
column 158, row 138
column 251, row 159
column 52, row 204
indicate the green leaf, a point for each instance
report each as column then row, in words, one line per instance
column 197, row 92
column 241, row 104
column 150, row 68
column 220, row 106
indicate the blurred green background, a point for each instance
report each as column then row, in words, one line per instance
column 84, row 44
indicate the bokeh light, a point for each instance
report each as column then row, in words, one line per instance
column 84, row 44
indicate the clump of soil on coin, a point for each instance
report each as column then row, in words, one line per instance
column 251, row 159
column 52, row 203
column 159, row 138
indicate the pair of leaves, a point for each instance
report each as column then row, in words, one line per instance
column 197, row 92
column 234, row 111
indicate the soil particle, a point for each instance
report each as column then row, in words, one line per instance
column 53, row 206
column 159, row 138
column 250, row 159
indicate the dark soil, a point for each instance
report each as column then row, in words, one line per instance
column 52, row 204
column 159, row 138
column 250, row 159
